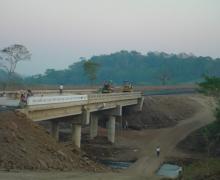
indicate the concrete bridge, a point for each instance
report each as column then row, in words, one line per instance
column 81, row 110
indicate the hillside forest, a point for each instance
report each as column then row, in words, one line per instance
column 153, row 68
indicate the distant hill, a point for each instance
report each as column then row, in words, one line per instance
column 154, row 68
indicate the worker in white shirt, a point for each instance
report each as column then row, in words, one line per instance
column 61, row 89
column 158, row 151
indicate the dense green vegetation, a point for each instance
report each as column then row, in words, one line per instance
column 211, row 87
column 205, row 140
column 207, row 169
column 151, row 69
column 211, row 132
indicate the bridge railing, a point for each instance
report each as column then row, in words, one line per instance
column 42, row 100
column 17, row 94
column 95, row 98
column 79, row 99
column 82, row 99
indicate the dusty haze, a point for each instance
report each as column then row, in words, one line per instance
column 58, row 32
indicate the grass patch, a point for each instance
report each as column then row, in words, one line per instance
column 207, row 169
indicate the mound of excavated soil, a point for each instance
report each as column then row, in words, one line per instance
column 204, row 140
column 161, row 111
column 26, row 145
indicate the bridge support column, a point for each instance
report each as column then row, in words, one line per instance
column 120, row 123
column 93, row 126
column 85, row 116
column 140, row 104
column 76, row 134
column 111, row 129
column 55, row 129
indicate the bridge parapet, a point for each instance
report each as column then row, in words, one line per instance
column 41, row 100
column 16, row 94
column 97, row 98
column 81, row 99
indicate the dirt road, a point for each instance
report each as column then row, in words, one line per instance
column 146, row 141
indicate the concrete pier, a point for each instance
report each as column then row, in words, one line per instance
column 140, row 104
column 111, row 129
column 93, row 126
column 55, row 129
column 76, row 134
column 85, row 116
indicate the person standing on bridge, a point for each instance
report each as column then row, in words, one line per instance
column 29, row 93
column 23, row 99
column 61, row 89
column 158, row 151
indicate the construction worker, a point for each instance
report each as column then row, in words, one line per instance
column 23, row 99
column 29, row 93
column 61, row 89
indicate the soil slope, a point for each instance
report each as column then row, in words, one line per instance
column 26, row 145
column 161, row 111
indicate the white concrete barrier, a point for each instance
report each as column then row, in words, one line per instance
column 39, row 100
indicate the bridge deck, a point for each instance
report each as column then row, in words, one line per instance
column 55, row 99
column 48, row 107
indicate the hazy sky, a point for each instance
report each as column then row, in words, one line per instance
column 58, row 32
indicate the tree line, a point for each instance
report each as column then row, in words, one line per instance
column 150, row 69
column 153, row 68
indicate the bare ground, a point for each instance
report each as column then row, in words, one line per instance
column 161, row 111
column 26, row 145
column 144, row 142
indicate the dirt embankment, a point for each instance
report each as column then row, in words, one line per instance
column 26, row 145
column 205, row 141
column 161, row 111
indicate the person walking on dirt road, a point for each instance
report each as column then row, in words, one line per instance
column 158, row 151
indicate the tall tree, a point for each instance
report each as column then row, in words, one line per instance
column 11, row 56
column 164, row 77
column 91, row 69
